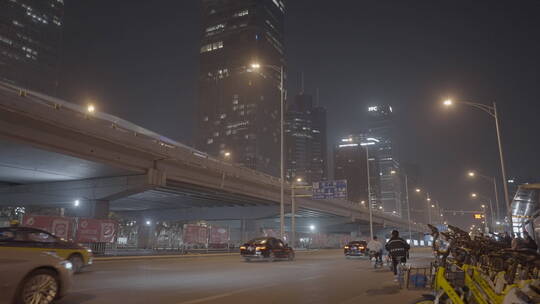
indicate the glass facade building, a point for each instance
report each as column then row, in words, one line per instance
column 380, row 125
column 30, row 38
column 306, row 140
column 239, row 105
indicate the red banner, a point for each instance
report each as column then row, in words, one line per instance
column 59, row 226
column 219, row 235
column 92, row 230
column 194, row 234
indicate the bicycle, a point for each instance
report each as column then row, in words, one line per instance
column 489, row 272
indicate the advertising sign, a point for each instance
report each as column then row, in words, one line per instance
column 92, row 230
column 219, row 235
column 57, row 225
column 194, row 234
column 330, row 189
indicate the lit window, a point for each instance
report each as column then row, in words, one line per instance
column 205, row 118
column 223, row 116
column 241, row 13
column 212, row 47
column 210, row 141
column 5, row 40
column 216, row 134
column 216, row 27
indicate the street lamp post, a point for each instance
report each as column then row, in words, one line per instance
column 369, row 195
column 490, row 226
column 407, row 200
column 295, row 186
column 493, row 112
column 495, row 189
column 282, row 148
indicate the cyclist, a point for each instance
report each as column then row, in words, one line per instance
column 398, row 250
column 375, row 246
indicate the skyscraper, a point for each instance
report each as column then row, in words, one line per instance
column 380, row 125
column 350, row 163
column 239, row 106
column 306, row 140
column 30, row 37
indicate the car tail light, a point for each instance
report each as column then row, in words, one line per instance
column 346, row 247
column 260, row 248
column 242, row 247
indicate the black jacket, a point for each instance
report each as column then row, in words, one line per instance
column 397, row 247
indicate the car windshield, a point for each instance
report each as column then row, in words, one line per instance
column 260, row 241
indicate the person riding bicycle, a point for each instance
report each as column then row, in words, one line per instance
column 398, row 250
column 375, row 246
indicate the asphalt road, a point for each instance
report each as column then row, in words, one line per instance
column 319, row 277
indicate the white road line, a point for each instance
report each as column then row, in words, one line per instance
column 227, row 294
column 312, row 278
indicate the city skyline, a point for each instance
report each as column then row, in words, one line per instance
column 370, row 69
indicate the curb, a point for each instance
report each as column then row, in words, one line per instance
column 183, row 256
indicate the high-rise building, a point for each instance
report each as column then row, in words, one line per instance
column 30, row 37
column 380, row 125
column 306, row 140
column 350, row 163
column 239, row 105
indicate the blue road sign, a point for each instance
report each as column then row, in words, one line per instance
column 330, row 189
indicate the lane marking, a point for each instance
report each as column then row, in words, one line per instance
column 227, row 294
column 312, row 278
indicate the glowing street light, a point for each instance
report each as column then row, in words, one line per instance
column 432, row 206
column 148, row 223
column 227, row 154
column 428, row 199
column 471, row 174
column 76, row 203
column 312, row 227
column 474, row 195
column 492, row 110
column 280, row 69
column 417, row 190
column 90, row 108
column 299, row 180
column 393, row 172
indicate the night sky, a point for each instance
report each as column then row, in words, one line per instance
column 139, row 60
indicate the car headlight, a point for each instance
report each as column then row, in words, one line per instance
column 67, row 265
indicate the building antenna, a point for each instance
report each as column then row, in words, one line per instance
column 317, row 101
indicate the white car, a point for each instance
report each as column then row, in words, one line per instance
column 33, row 277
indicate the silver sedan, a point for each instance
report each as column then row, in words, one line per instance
column 28, row 276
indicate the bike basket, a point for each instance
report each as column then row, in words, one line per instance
column 419, row 278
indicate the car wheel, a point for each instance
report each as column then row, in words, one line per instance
column 77, row 262
column 41, row 286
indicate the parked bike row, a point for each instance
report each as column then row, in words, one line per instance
column 481, row 270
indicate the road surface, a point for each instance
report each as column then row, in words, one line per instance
column 317, row 277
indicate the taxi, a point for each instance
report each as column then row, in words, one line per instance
column 25, row 238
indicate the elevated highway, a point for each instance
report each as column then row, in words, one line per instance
column 54, row 152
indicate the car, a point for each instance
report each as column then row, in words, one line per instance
column 32, row 239
column 33, row 276
column 356, row 249
column 266, row 248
